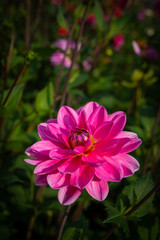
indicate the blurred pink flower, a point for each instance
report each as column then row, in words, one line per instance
column 148, row 52
column 141, row 14
column 91, row 20
column 136, row 48
column 62, row 44
column 83, row 149
column 86, row 64
column 118, row 42
column 151, row 53
column 57, row 57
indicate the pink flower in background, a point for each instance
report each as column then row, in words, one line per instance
column 118, row 42
column 62, row 44
column 148, row 52
column 86, row 64
column 136, row 48
column 141, row 14
column 91, row 20
column 151, row 53
column 57, row 57
column 83, row 149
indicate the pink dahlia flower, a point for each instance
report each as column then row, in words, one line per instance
column 118, row 42
column 57, row 58
column 81, row 149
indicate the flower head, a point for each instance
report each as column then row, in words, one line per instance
column 57, row 57
column 149, row 52
column 83, row 149
column 118, row 42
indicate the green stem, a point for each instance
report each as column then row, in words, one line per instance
column 63, row 222
column 75, row 54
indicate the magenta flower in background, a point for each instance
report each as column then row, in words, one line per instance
column 83, row 149
column 141, row 14
column 149, row 52
column 118, row 42
column 57, row 57
column 86, row 64
column 62, row 44
column 136, row 48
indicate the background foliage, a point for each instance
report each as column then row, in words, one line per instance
column 118, row 79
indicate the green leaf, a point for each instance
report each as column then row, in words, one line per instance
column 78, row 12
column 142, row 186
column 13, row 100
column 147, row 118
column 113, row 213
column 44, row 99
column 78, row 80
column 72, row 233
column 61, row 19
column 99, row 15
column 143, row 233
column 143, row 209
column 155, row 230
column 136, row 192
column 115, row 216
column 119, row 24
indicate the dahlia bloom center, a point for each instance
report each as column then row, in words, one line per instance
column 78, row 137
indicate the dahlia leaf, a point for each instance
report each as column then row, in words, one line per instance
column 98, row 11
column 44, row 99
column 115, row 216
column 13, row 100
column 73, row 233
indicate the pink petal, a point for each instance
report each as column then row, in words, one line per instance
column 117, row 148
column 130, row 146
column 103, row 131
column 33, row 161
column 105, row 146
column 52, row 120
column 82, row 176
column 47, row 166
column 67, row 117
column 86, row 174
column 136, row 48
column 110, row 171
column 129, row 164
column 82, row 122
column 98, row 117
column 68, row 195
column 93, row 160
column 44, row 132
column 89, row 108
column 57, row 134
column 127, row 134
column 40, row 148
column 61, row 153
column 58, row 180
column 40, row 180
column 98, row 189
column 70, row 165
column 78, row 150
column 119, row 121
